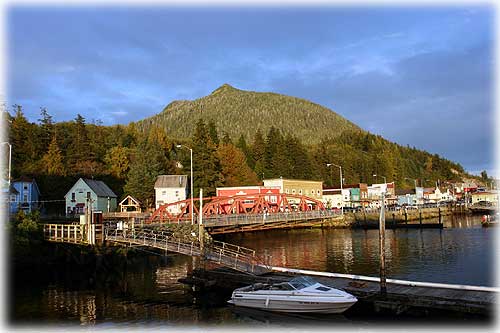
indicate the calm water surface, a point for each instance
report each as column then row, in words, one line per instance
column 147, row 294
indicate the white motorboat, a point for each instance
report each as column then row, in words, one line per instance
column 301, row 294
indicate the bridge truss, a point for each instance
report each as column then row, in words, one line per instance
column 268, row 203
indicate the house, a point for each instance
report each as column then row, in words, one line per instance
column 308, row 188
column 101, row 197
column 24, row 195
column 332, row 198
column 130, row 204
column 406, row 197
column 169, row 189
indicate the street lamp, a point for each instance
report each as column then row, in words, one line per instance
column 341, row 188
column 192, row 199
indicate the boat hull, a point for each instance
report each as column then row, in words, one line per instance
column 294, row 306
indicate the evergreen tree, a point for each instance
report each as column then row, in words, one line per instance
column 117, row 161
column 212, row 131
column 53, row 160
column 258, row 150
column 206, row 164
column 46, row 129
column 242, row 145
column 146, row 165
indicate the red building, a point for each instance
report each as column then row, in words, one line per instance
column 246, row 190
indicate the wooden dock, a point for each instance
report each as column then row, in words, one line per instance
column 402, row 297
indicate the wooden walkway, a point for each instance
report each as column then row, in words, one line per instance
column 402, row 297
column 229, row 255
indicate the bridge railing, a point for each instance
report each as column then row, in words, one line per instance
column 266, row 218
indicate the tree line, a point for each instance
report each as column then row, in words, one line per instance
column 129, row 160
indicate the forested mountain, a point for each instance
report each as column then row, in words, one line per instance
column 130, row 157
column 239, row 112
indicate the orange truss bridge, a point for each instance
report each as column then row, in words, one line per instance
column 256, row 204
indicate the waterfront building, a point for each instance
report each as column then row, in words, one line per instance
column 24, row 195
column 94, row 192
column 375, row 194
column 169, row 189
column 246, row 190
column 406, row 197
column 332, row 197
column 491, row 196
column 309, row 188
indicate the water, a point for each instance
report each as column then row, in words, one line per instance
column 148, row 295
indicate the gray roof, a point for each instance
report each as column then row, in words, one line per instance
column 171, row 181
column 99, row 188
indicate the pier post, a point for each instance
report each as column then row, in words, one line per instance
column 200, row 222
column 383, row 288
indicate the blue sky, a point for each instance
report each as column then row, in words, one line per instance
column 421, row 76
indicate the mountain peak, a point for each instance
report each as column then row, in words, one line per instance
column 224, row 88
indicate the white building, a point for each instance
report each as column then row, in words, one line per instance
column 332, row 198
column 169, row 189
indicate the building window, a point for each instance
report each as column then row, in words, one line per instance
column 25, row 187
column 73, row 199
column 286, row 191
column 25, row 198
column 163, row 192
column 319, row 192
column 300, row 192
column 293, row 191
column 88, row 195
column 13, row 198
column 176, row 193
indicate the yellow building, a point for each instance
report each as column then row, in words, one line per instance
column 309, row 188
column 490, row 196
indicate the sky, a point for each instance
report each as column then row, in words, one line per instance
column 419, row 76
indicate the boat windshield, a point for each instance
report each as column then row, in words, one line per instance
column 302, row 282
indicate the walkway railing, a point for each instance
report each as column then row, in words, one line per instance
column 236, row 257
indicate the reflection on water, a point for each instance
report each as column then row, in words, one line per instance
column 460, row 253
column 148, row 293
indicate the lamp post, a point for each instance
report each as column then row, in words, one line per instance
column 192, row 199
column 341, row 188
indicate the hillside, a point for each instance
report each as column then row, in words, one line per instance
column 244, row 112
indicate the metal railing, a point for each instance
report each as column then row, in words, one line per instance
column 242, row 219
column 230, row 255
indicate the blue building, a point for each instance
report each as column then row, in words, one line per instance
column 24, row 195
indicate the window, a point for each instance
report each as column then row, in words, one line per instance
column 293, row 191
column 13, row 198
column 287, row 191
column 25, row 198
column 25, row 187
column 176, row 193
column 163, row 192
column 319, row 192
column 88, row 195
column 300, row 192
column 73, row 199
